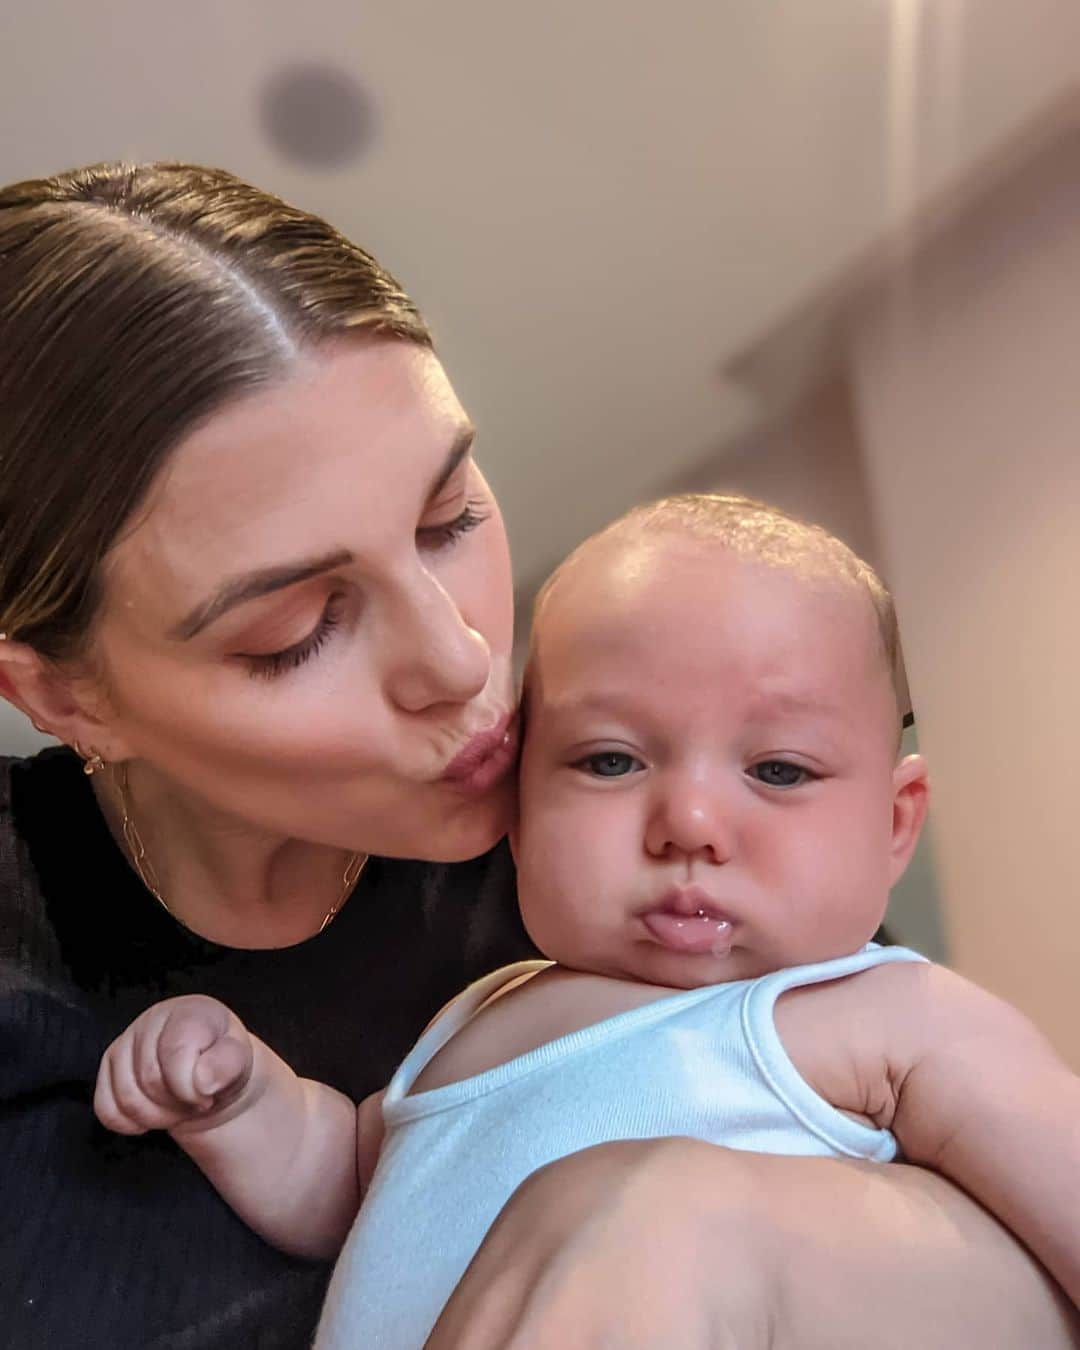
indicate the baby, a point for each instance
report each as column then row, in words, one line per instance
column 712, row 815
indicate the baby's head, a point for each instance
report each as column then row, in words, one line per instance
column 710, row 786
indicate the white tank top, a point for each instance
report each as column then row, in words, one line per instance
column 706, row 1063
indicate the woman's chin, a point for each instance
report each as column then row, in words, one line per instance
column 468, row 833
column 427, row 822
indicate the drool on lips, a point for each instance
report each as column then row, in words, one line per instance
column 686, row 920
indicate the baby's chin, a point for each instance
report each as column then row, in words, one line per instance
column 675, row 971
column 646, row 963
column 666, row 970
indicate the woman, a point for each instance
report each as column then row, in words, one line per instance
column 252, row 574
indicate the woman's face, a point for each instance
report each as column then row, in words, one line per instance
column 311, row 618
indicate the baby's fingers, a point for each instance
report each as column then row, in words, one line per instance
column 119, row 1102
column 224, row 1067
column 105, row 1105
column 193, row 1025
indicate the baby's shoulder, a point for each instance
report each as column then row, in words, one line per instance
column 861, row 994
column 850, row 1038
column 527, row 1011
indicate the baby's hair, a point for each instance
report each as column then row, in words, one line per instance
column 759, row 532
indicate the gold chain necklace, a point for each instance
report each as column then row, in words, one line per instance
column 137, row 850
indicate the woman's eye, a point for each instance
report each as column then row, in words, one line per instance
column 610, row 764
column 780, row 773
column 441, row 536
column 268, row 665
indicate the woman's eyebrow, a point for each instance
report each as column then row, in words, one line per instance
column 463, row 443
column 251, row 585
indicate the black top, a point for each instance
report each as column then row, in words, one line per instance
column 107, row 1241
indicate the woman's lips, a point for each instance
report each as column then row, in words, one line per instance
column 687, row 920
column 483, row 760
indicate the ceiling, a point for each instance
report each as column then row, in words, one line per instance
column 598, row 204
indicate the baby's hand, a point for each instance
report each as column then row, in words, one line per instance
column 182, row 1060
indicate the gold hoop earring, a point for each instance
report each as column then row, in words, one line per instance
column 92, row 761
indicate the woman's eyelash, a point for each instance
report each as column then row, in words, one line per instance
column 268, row 665
column 439, row 536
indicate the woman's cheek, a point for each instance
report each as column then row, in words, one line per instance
column 497, row 587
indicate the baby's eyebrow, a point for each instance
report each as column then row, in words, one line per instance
column 794, row 702
column 593, row 703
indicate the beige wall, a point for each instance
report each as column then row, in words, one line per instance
column 807, row 462
column 967, row 377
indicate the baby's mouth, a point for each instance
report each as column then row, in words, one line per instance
column 686, row 919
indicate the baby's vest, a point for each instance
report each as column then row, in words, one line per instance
column 706, row 1063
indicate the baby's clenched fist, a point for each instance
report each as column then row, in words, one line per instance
column 184, row 1061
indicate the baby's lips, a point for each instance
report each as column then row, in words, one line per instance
column 706, row 932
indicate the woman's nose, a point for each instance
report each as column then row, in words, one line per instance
column 689, row 819
column 435, row 656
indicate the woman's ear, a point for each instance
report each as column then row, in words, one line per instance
column 911, row 797
column 57, row 702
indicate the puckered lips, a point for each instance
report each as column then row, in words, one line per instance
column 484, row 758
column 687, row 919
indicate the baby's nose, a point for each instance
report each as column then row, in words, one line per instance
column 690, row 820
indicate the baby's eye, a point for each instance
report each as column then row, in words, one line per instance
column 780, row 773
column 610, row 764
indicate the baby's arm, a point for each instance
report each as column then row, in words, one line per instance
column 282, row 1150
column 968, row 1086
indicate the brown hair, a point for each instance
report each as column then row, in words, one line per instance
column 134, row 302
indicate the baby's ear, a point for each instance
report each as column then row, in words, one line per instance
column 911, row 797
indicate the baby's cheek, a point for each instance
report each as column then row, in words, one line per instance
column 851, row 909
column 549, row 894
column 537, row 870
column 542, row 913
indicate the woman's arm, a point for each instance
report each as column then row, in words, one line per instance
column 983, row 1098
column 281, row 1150
column 967, row 1084
column 679, row 1245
